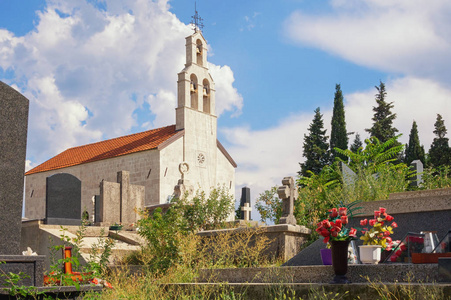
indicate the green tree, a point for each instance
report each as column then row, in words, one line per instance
column 414, row 150
column 383, row 118
column 315, row 147
column 338, row 134
column 357, row 144
column 440, row 152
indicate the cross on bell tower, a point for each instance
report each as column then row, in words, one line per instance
column 196, row 20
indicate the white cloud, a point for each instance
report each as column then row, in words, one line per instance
column 408, row 36
column 227, row 97
column 87, row 71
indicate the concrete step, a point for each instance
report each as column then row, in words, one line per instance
column 426, row 273
column 263, row 291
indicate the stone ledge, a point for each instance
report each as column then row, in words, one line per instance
column 421, row 194
column 323, row 274
column 262, row 291
column 280, row 228
column 57, row 292
column 404, row 204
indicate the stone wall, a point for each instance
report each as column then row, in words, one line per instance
column 143, row 167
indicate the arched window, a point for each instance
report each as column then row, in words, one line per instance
column 206, row 95
column 199, row 52
column 194, row 87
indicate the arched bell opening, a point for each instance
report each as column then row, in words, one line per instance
column 199, row 52
column 206, row 95
column 194, row 92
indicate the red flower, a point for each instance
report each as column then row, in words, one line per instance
column 324, row 232
column 388, row 240
column 399, row 252
column 372, row 222
column 344, row 220
column 386, row 233
column 403, row 247
column 334, row 233
column 352, row 232
column 377, row 214
column 389, row 218
column 326, row 223
column 393, row 258
column 326, row 239
column 333, row 213
column 394, row 225
column 363, row 222
column 338, row 223
column 342, row 211
column 382, row 210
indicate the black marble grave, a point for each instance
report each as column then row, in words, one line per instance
column 63, row 200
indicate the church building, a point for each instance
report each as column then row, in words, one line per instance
column 159, row 159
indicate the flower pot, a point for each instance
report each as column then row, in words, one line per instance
column 370, row 254
column 326, row 256
column 340, row 261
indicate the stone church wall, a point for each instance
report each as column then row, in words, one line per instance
column 143, row 167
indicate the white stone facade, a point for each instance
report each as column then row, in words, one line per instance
column 157, row 170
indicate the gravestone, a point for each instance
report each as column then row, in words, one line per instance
column 13, row 144
column 287, row 192
column 349, row 176
column 63, row 200
column 417, row 178
column 245, row 198
column 119, row 202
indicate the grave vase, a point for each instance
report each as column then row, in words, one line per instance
column 340, row 261
column 326, row 256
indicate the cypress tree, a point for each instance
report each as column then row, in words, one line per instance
column 338, row 134
column 414, row 150
column 356, row 144
column 315, row 147
column 383, row 117
column 440, row 153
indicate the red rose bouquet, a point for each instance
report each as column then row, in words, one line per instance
column 333, row 228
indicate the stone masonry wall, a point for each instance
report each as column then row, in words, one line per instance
column 143, row 167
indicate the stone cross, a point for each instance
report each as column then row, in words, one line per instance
column 287, row 192
column 246, row 209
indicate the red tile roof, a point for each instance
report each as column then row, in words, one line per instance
column 123, row 145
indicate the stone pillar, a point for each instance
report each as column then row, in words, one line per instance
column 13, row 145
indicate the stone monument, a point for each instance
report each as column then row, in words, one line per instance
column 287, row 192
column 245, row 198
column 183, row 187
column 63, row 200
column 417, row 177
column 13, row 144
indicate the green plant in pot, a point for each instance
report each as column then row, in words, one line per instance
column 377, row 238
column 335, row 233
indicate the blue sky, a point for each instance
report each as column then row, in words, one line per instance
column 100, row 69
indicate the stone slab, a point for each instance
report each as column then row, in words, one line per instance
column 276, row 290
column 13, row 144
column 444, row 269
column 63, row 199
column 32, row 266
column 426, row 273
column 58, row 292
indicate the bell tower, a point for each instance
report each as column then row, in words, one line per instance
column 195, row 112
column 195, row 86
